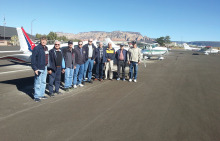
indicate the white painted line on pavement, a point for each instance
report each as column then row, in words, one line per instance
column 13, row 71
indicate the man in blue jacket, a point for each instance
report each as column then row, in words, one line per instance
column 55, row 67
column 39, row 61
column 121, row 57
column 100, row 61
column 90, row 56
column 80, row 59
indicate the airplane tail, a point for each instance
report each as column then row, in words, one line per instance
column 26, row 45
column 108, row 40
column 186, row 47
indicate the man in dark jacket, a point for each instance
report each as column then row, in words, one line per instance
column 69, row 59
column 55, row 67
column 121, row 57
column 100, row 61
column 90, row 56
column 39, row 61
column 110, row 56
column 80, row 59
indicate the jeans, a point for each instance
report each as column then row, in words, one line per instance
column 40, row 83
column 121, row 64
column 109, row 67
column 99, row 69
column 78, row 71
column 55, row 76
column 68, row 77
column 135, row 66
column 88, row 65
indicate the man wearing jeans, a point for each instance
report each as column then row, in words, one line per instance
column 80, row 53
column 121, row 56
column 90, row 56
column 69, row 58
column 39, row 61
column 134, row 58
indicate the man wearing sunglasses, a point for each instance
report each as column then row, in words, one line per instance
column 90, row 56
column 56, row 65
column 80, row 59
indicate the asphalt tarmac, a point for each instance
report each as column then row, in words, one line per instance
column 176, row 99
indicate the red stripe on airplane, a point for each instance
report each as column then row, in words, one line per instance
column 13, row 58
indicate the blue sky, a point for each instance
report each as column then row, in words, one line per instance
column 186, row 20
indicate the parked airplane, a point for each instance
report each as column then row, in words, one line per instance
column 205, row 50
column 27, row 46
column 187, row 47
column 152, row 50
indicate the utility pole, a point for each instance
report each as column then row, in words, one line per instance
column 31, row 25
column 4, row 26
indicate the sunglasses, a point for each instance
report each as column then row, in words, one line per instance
column 57, row 44
column 80, row 44
column 90, row 41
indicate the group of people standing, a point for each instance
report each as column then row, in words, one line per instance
column 76, row 62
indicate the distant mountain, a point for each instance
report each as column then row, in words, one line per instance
column 101, row 35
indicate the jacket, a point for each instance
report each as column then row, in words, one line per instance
column 118, row 52
column 38, row 58
column 52, row 60
column 110, row 54
column 134, row 54
column 80, row 59
column 69, row 57
column 98, row 55
column 87, row 51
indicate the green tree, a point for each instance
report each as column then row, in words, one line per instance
column 167, row 40
column 163, row 40
column 160, row 41
column 52, row 36
column 38, row 36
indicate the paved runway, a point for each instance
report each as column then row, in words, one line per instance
column 176, row 99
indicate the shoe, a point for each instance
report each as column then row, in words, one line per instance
column 37, row 100
column 70, row 88
column 100, row 79
column 66, row 89
column 123, row 79
column 118, row 79
column 58, row 93
column 83, row 82
column 90, row 81
column 95, row 79
column 111, row 79
column 74, row 86
column 44, row 97
column 130, row 80
column 51, row 94
column 81, row 85
column 135, row 80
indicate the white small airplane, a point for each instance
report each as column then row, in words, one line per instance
column 204, row 50
column 187, row 47
column 152, row 50
column 27, row 46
